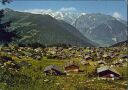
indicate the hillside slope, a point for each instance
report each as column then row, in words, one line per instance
column 45, row 30
column 103, row 29
column 123, row 43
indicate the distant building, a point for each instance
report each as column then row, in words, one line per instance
column 87, row 57
column 106, row 56
column 85, row 62
column 101, row 62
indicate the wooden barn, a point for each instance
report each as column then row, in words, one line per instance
column 71, row 67
column 107, row 72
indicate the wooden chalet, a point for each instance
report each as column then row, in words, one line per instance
column 71, row 67
column 107, row 72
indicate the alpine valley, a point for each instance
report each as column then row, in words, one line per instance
column 50, row 27
column 62, row 50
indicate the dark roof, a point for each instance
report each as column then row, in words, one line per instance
column 102, row 69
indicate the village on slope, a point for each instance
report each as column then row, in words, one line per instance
column 101, row 63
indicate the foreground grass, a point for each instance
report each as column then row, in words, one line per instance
column 33, row 77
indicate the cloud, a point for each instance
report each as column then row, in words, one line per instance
column 117, row 15
column 49, row 11
column 46, row 11
column 38, row 11
column 68, row 9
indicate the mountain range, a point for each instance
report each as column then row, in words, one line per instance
column 69, row 17
column 103, row 29
column 53, row 27
column 44, row 29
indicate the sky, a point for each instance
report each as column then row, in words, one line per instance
column 116, row 8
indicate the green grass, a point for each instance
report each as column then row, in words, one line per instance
column 36, row 80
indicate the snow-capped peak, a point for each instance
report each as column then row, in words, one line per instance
column 68, row 16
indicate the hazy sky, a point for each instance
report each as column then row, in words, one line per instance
column 116, row 8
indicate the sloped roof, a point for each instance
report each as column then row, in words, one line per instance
column 101, row 69
column 104, row 68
